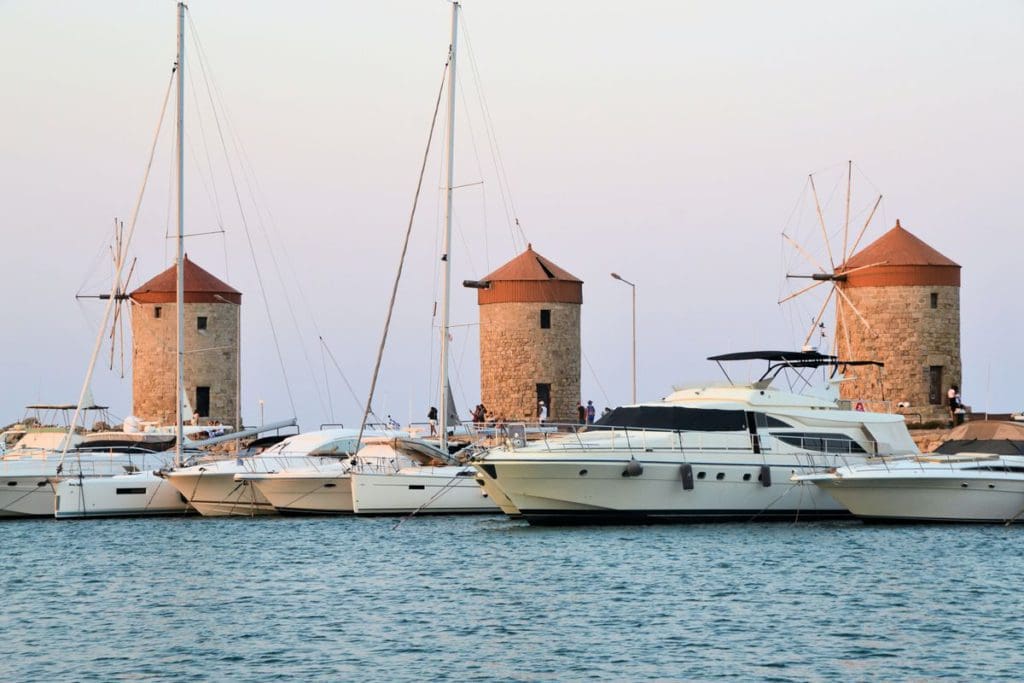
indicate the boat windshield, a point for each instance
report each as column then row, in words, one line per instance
column 676, row 418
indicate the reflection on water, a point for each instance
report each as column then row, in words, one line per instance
column 484, row 598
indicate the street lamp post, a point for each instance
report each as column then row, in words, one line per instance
column 633, row 287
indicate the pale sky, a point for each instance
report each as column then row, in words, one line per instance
column 667, row 141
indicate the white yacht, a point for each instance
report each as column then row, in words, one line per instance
column 322, row 486
column 145, row 490
column 213, row 489
column 708, row 453
column 431, row 483
column 129, row 494
column 29, row 471
column 974, row 479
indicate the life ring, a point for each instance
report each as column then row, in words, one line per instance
column 859, row 407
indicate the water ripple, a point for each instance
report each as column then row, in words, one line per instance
column 484, row 599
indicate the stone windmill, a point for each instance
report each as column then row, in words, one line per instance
column 896, row 301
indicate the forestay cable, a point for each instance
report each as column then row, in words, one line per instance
column 405, row 249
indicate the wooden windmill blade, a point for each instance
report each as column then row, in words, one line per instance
column 837, row 256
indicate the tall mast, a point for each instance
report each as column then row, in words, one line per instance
column 445, row 313
column 180, row 290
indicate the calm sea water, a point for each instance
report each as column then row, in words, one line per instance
column 485, row 598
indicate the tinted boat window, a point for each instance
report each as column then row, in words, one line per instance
column 823, row 443
column 673, row 417
column 769, row 421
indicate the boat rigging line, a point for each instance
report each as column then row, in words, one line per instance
column 112, row 300
column 355, row 397
column 511, row 214
column 440, row 492
column 405, row 249
column 211, row 90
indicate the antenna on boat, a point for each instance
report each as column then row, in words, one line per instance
column 445, row 303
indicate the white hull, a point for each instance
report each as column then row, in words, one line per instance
column 495, row 493
column 929, row 495
column 423, row 490
column 548, row 489
column 25, row 487
column 325, row 494
column 125, row 495
column 25, row 496
column 219, row 494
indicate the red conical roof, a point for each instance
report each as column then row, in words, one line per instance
column 530, row 277
column 531, row 266
column 200, row 287
column 899, row 258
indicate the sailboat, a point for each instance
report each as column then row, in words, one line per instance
column 395, row 475
column 137, row 490
column 432, row 482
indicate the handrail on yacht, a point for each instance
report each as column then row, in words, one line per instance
column 648, row 441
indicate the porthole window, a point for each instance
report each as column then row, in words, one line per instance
column 583, row 473
column 746, row 477
column 720, row 476
column 701, row 475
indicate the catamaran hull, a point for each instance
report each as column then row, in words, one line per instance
column 439, row 494
column 128, row 495
column 219, row 494
column 560, row 491
column 327, row 495
column 922, row 499
column 21, row 497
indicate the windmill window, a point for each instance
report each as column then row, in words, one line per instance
column 545, row 319
column 203, row 401
column 201, row 322
column 156, row 311
column 935, row 385
column 935, row 299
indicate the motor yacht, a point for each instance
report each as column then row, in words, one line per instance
column 327, row 487
column 969, row 478
column 706, row 453
column 212, row 488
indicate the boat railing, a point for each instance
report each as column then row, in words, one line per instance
column 930, row 461
column 574, row 437
column 106, row 462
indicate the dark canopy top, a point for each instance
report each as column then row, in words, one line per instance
column 676, row 418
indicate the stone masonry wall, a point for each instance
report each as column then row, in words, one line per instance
column 516, row 355
column 211, row 360
column 909, row 336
